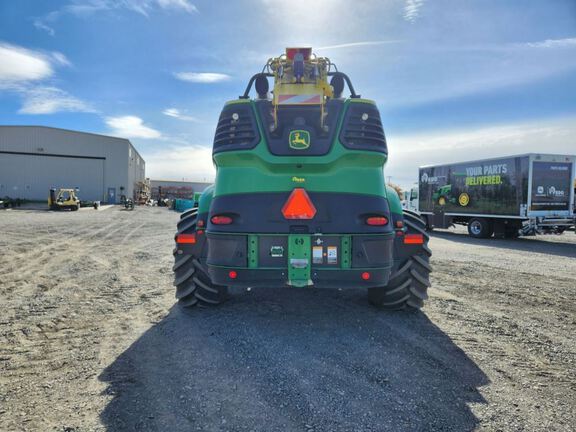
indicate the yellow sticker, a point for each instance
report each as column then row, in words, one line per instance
column 464, row 199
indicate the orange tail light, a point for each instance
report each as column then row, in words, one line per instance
column 186, row 238
column 413, row 239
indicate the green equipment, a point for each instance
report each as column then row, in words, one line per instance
column 299, row 197
column 444, row 195
column 63, row 199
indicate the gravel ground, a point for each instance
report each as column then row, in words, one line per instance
column 90, row 339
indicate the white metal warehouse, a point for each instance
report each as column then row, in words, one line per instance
column 34, row 159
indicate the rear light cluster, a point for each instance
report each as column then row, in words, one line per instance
column 186, row 238
column 376, row 220
column 413, row 239
column 221, row 220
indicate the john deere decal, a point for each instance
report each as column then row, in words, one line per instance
column 299, row 139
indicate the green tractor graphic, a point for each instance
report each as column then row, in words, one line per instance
column 444, row 195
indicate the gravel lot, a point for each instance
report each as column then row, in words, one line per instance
column 90, row 339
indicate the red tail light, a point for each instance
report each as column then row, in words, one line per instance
column 376, row 220
column 186, row 238
column 413, row 239
column 299, row 206
column 221, row 220
column 366, row 276
column 232, row 274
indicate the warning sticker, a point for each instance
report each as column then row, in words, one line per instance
column 332, row 255
column 317, row 255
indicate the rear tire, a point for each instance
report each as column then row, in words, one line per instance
column 188, row 212
column 193, row 285
column 480, row 228
column 408, row 286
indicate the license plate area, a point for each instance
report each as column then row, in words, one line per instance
column 326, row 251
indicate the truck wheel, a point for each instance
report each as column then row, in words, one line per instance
column 480, row 228
column 408, row 286
column 193, row 285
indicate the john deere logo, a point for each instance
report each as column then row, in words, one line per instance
column 299, row 139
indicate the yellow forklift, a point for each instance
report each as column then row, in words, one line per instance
column 63, row 199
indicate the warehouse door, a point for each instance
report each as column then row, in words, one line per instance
column 31, row 176
column 111, row 195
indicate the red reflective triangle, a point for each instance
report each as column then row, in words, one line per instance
column 299, row 206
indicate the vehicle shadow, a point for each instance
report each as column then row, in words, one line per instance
column 527, row 244
column 293, row 359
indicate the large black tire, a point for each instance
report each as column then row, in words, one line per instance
column 408, row 286
column 480, row 228
column 193, row 210
column 193, row 285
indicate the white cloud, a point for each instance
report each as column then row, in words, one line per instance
column 184, row 5
column 176, row 113
column 552, row 43
column 357, row 44
column 41, row 25
column 61, row 59
column 19, row 64
column 84, row 8
column 131, row 127
column 48, row 100
column 408, row 152
column 412, row 9
column 459, row 71
column 25, row 72
column 201, row 77
column 178, row 162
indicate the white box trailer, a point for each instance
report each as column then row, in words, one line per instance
column 507, row 196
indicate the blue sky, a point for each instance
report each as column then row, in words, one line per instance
column 454, row 80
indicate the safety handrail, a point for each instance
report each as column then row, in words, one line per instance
column 353, row 94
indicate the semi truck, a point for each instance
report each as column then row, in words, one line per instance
column 505, row 196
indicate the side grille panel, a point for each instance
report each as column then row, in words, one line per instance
column 236, row 129
column 362, row 129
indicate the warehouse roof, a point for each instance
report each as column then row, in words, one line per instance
column 74, row 131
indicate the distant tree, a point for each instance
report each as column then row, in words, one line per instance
column 398, row 190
